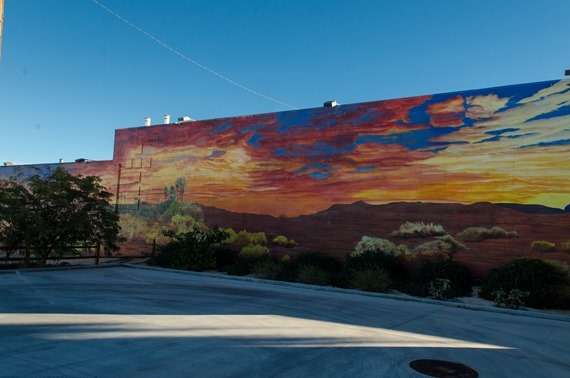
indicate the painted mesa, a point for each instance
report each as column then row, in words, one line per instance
column 489, row 167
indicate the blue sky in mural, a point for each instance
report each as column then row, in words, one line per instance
column 71, row 72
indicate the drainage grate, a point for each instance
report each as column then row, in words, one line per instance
column 443, row 369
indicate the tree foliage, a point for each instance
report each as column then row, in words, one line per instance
column 52, row 213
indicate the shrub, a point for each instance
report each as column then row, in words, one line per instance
column 244, row 238
column 192, row 250
column 439, row 288
column 542, row 246
column 181, row 208
column 244, row 266
column 430, row 272
column 267, row 268
column 478, row 234
column 224, row 257
column 374, row 279
column 443, row 246
column 254, row 251
column 514, row 299
column 284, row 242
column 231, row 236
column 368, row 243
column 291, row 270
column 374, row 260
column 418, row 230
column 541, row 279
column 565, row 246
column 313, row 275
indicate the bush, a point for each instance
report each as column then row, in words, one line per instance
column 284, row 242
column 460, row 281
column 192, row 250
column 514, row 299
column 373, row 260
column 244, row 238
column 418, row 230
column 292, row 270
column 479, row 234
column 231, row 236
column 254, row 251
column 439, row 288
column 372, row 244
column 313, row 275
column 374, row 279
column 542, row 246
column 245, row 266
column 442, row 246
column 565, row 246
column 224, row 257
column 267, row 268
column 545, row 283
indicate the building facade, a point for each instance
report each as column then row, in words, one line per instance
column 489, row 167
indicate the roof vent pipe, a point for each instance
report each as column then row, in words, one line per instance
column 147, row 121
column 166, row 119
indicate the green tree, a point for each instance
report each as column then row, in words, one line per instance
column 52, row 213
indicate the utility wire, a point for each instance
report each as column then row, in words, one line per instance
column 190, row 59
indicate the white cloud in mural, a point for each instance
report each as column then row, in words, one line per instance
column 482, row 107
column 556, row 89
column 525, row 146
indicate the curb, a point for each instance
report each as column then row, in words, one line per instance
column 68, row 267
column 525, row 313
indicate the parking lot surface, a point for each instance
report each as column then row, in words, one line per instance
column 128, row 322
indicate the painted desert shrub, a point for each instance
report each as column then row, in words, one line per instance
column 284, row 242
column 542, row 246
column 244, row 238
column 443, row 246
column 479, row 234
column 418, row 230
column 254, row 250
column 372, row 244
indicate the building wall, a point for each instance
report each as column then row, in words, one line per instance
column 505, row 144
column 329, row 176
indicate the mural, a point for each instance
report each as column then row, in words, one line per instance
column 483, row 159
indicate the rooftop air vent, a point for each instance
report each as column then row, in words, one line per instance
column 330, row 104
column 184, row 119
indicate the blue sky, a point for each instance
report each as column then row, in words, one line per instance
column 71, row 73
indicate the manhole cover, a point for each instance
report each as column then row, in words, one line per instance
column 443, row 369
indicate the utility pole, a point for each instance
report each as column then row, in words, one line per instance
column 1, row 23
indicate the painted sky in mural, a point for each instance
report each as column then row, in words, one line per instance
column 506, row 144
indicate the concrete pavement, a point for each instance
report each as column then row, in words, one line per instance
column 126, row 322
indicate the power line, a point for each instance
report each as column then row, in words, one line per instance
column 190, row 59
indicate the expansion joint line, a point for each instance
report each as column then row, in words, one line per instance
column 168, row 47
